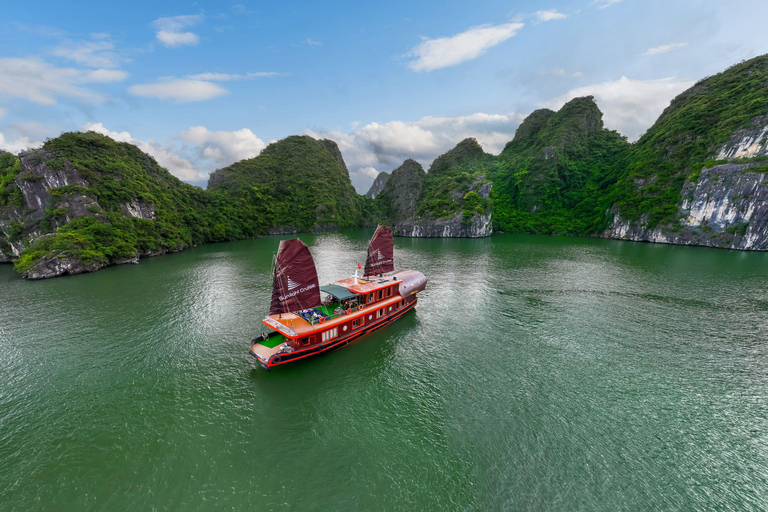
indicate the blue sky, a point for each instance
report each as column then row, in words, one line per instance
column 200, row 85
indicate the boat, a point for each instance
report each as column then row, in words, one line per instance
column 306, row 319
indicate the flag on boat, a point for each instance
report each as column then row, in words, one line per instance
column 294, row 284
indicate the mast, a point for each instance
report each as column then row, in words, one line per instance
column 294, row 285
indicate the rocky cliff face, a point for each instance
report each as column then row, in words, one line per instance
column 402, row 191
column 35, row 217
column 448, row 203
column 42, row 193
column 720, row 125
column 475, row 226
column 726, row 207
column 378, row 185
column 748, row 142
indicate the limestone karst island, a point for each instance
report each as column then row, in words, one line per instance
column 698, row 176
column 384, row 255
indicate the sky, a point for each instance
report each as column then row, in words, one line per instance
column 200, row 85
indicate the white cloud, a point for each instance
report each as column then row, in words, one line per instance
column 368, row 172
column 264, row 74
column 602, row 4
column 227, row 77
column 178, row 166
column 312, row 42
column 549, row 15
column 92, row 54
column 42, row 83
column 178, row 90
column 103, row 76
column 177, row 23
column 629, row 106
column 176, row 39
column 169, row 30
column 215, row 77
column 31, row 130
column 561, row 72
column 664, row 48
column 192, row 154
column 443, row 52
column 386, row 145
column 18, row 145
column 223, row 147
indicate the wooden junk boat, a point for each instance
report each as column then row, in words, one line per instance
column 308, row 319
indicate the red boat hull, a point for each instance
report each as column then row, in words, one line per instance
column 341, row 341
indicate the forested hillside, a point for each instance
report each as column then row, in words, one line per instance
column 698, row 176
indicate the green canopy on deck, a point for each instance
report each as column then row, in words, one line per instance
column 338, row 292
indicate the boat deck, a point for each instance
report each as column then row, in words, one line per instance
column 298, row 325
column 264, row 352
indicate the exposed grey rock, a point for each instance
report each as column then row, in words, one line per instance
column 403, row 190
column 38, row 182
column 139, row 209
column 749, row 142
column 378, row 185
column 320, row 227
column 60, row 266
column 282, row 230
column 479, row 225
column 36, row 179
column 726, row 207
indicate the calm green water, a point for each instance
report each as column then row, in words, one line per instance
column 536, row 373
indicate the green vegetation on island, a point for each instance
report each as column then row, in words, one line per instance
column 84, row 201
column 687, row 136
column 305, row 182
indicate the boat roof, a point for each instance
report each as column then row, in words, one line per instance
column 367, row 286
column 338, row 292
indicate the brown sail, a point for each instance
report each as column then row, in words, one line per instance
column 295, row 283
column 381, row 252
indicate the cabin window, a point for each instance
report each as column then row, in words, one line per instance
column 389, row 291
column 330, row 334
column 402, row 302
column 380, row 313
column 370, row 298
column 308, row 340
column 381, row 294
column 357, row 323
column 345, row 328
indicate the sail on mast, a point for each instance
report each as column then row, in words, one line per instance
column 381, row 251
column 295, row 285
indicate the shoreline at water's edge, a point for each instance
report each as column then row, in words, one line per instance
column 68, row 267
column 682, row 244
